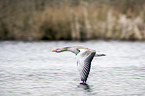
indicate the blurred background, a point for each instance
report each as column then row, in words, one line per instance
column 72, row 20
column 31, row 29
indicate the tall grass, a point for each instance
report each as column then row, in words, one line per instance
column 72, row 20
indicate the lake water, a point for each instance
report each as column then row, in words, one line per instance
column 31, row 69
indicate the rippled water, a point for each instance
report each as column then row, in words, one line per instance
column 31, row 69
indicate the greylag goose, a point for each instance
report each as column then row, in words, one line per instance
column 84, row 58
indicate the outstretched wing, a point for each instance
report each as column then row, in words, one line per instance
column 84, row 59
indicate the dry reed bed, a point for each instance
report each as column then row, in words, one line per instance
column 67, row 22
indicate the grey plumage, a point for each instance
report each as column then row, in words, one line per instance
column 84, row 58
column 84, row 64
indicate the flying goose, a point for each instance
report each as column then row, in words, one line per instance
column 84, row 58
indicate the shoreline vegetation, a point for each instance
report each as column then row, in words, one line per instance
column 72, row 20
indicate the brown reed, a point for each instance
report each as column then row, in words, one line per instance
column 71, row 20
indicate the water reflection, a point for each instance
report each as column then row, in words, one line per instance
column 85, row 87
column 30, row 68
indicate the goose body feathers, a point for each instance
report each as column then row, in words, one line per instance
column 84, row 58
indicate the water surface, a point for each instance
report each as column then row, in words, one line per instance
column 31, row 69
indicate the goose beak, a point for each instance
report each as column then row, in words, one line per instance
column 54, row 50
column 101, row 54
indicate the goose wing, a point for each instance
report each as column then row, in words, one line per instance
column 84, row 59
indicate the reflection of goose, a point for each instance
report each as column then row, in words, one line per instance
column 84, row 58
column 84, row 86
